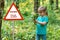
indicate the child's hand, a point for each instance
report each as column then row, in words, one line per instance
column 35, row 21
column 42, row 23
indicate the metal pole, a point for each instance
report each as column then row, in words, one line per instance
column 13, row 29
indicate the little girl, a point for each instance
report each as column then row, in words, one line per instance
column 41, row 23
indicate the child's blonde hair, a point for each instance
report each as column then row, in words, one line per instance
column 41, row 8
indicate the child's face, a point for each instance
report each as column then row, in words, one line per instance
column 42, row 13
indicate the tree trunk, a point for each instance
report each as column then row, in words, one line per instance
column 17, row 3
column 0, row 23
column 51, row 3
column 36, row 5
column 56, row 4
column 1, row 11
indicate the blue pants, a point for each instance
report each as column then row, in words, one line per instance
column 38, row 37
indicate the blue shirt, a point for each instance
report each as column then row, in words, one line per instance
column 41, row 29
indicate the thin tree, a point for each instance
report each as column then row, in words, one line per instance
column 17, row 3
column 1, row 11
column 56, row 4
column 51, row 3
column 36, row 5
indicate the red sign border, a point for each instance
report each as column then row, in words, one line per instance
column 17, row 10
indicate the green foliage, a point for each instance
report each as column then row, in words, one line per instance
column 25, row 29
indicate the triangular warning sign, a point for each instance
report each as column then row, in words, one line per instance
column 13, row 13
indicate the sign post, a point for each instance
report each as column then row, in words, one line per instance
column 13, row 14
column 13, row 29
